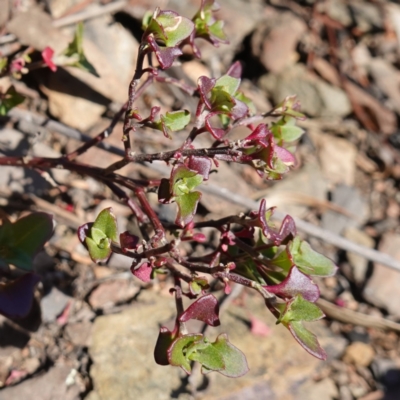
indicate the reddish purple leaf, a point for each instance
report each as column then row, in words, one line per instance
column 235, row 70
column 295, row 283
column 166, row 55
column 128, row 241
column 286, row 231
column 204, row 309
column 16, row 297
column 205, row 86
column 143, row 272
column 201, row 165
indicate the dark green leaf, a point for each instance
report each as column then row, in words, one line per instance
column 21, row 241
column 16, row 297
column 9, row 100
column 75, row 54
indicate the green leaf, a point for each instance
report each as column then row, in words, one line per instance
column 228, row 84
column 207, row 355
column 185, row 180
column 102, row 233
column 300, row 309
column 187, row 205
column 106, row 222
column 216, row 29
column 285, row 130
column 9, row 100
column 75, row 54
column 309, row 261
column 177, row 352
column 168, row 27
column 3, row 63
column 176, row 28
column 176, row 120
column 234, row 360
column 20, row 241
column 306, row 339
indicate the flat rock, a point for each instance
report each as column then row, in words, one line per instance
column 382, row 289
column 48, row 386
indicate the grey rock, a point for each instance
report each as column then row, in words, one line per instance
column 53, row 304
column 382, row 289
column 359, row 264
column 317, row 97
column 350, row 199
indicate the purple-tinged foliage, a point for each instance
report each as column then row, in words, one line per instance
column 16, row 297
column 295, row 283
column 143, row 272
column 204, row 309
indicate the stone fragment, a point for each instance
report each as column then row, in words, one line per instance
column 382, row 289
column 358, row 263
column 359, row 353
column 108, row 294
column 53, row 304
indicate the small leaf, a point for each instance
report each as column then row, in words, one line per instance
column 128, row 241
column 143, row 272
column 99, row 235
column 176, row 28
column 164, row 341
column 309, row 261
column 296, row 283
column 306, row 339
column 9, row 100
column 21, row 241
column 204, row 309
column 99, row 252
column 187, row 206
column 177, row 351
column 228, row 84
column 106, row 222
column 207, row 355
column 75, row 54
column 202, row 165
column 234, row 360
column 16, row 297
column 197, row 285
column 165, row 55
column 300, row 309
column 175, row 120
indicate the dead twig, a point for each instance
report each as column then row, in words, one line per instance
column 356, row 318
